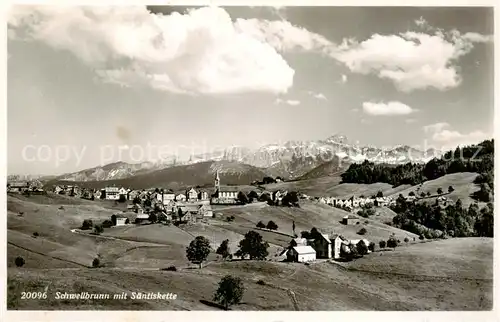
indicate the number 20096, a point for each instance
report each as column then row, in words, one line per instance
column 33, row 295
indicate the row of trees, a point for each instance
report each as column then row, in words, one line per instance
column 270, row 225
column 252, row 246
column 475, row 158
column 433, row 220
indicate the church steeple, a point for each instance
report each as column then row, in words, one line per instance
column 217, row 181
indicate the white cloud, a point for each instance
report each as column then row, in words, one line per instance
column 319, row 96
column 289, row 102
column 344, row 79
column 443, row 134
column 411, row 60
column 200, row 52
column 390, row 108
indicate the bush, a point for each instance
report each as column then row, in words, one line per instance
column 371, row 246
column 406, row 240
column 19, row 261
column 261, row 282
column 35, row 234
column 260, row 224
column 107, row 223
column 362, row 248
column 392, row 243
column 382, row 243
column 362, row 231
column 87, row 224
column 170, row 268
column 98, row 229
column 272, row 225
column 96, row 262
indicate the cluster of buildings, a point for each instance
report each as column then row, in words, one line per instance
column 32, row 187
column 322, row 247
column 356, row 202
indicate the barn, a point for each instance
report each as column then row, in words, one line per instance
column 301, row 254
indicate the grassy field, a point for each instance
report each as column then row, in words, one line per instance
column 413, row 277
column 463, row 183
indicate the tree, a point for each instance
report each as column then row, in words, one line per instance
column 122, row 198
column 266, row 197
column 107, row 223
column 230, row 291
column 406, row 240
column 371, row 247
column 362, row 231
column 392, row 242
column 19, row 261
column 362, row 248
column 268, row 180
column 253, row 195
column 113, row 219
column 451, row 189
column 96, row 262
column 412, row 193
column 439, row 191
column 380, row 194
column 223, row 249
column 87, row 224
column 242, row 198
column 305, row 234
column 292, row 244
column 484, row 193
column 136, row 200
column 260, row 224
column 198, row 250
column 428, row 193
column 422, row 194
column 98, row 229
column 272, row 225
column 153, row 217
column 253, row 245
column 290, row 199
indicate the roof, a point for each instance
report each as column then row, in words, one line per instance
column 228, row 189
column 142, row 216
column 350, row 217
column 325, row 236
column 301, row 250
column 190, row 208
column 112, row 189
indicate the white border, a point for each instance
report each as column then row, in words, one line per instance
column 271, row 316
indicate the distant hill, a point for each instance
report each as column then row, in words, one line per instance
column 198, row 174
column 329, row 168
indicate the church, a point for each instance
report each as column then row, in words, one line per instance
column 224, row 195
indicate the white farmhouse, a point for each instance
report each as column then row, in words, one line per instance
column 302, row 254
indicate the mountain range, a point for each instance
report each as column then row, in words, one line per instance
column 289, row 160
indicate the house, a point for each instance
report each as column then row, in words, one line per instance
column 170, row 207
column 141, row 217
column 203, row 195
column 132, row 194
column 18, row 186
column 180, row 197
column 301, row 254
column 337, row 242
column 122, row 192
column 206, row 210
column 111, row 193
column 349, row 220
column 138, row 209
column 322, row 245
column 168, row 197
column 58, row 189
column 121, row 221
column 188, row 213
column 191, row 195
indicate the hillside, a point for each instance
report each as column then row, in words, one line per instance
column 203, row 173
column 59, row 260
column 462, row 183
column 330, row 168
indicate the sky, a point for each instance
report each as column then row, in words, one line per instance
column 91, row 85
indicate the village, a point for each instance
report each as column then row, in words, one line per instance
column 194, row 205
